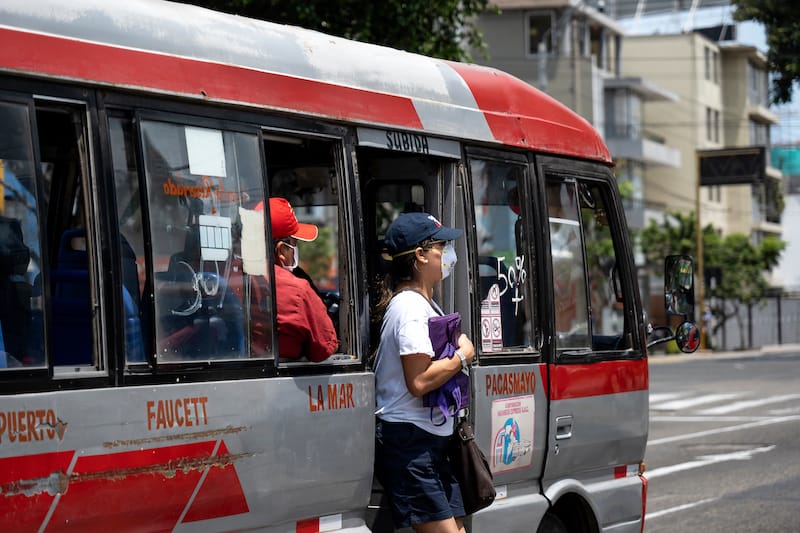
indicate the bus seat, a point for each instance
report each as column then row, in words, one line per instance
column 134, row 342
column 72, row 325
column 72, row 320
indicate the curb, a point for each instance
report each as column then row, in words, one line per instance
column 772, row 349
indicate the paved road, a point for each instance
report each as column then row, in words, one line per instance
column 724, row 448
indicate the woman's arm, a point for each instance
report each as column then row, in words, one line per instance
column 422, row 374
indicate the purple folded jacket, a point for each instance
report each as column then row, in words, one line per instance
column 453, row 395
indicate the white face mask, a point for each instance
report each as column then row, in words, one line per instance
column 295, row 254
column 449, row 259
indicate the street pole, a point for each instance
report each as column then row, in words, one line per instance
column 700, row 285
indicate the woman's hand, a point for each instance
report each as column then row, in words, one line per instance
column 466, row 348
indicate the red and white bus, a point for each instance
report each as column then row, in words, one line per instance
column 141, row 388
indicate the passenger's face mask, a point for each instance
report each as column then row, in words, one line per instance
column 295, row 254
column 448, row 259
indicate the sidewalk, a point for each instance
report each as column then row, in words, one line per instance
column 772, row 349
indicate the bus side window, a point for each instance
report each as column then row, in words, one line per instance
column 569, row 278
column 197, row 181
column 63, row 138
column 589, row 304
column 607, row 301
column 503, row 268
column 304, row 172
column 131, row 252
column 21, row 324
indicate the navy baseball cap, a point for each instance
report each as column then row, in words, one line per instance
column 410, row 229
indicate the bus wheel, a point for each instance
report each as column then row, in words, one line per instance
column 551, row 524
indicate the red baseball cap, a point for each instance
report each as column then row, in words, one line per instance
column 285, row 224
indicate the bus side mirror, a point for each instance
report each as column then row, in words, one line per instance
column 679, row 285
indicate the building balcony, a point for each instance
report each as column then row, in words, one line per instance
column 762, row 114
column 644, row 150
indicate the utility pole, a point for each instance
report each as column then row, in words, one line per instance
column 700, row 278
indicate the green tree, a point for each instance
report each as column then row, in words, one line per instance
column 743, row 265
column 781, row 20
column 438, row 28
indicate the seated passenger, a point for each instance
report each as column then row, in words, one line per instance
column 304, row 327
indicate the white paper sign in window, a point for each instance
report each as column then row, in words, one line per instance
column 215, row 238
column 254, row 247
column 206, row 151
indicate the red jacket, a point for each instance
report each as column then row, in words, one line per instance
column 304, row 327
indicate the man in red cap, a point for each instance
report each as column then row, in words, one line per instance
column 304, row 327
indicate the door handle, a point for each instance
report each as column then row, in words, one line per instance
column 563, row 427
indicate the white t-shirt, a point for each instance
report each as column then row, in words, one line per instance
column 404, row 332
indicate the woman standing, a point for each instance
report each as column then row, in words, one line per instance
column 411, row 447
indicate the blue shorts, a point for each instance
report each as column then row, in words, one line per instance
column 413, row 468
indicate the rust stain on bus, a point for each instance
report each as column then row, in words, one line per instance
column 59, row 482
column 212, row 433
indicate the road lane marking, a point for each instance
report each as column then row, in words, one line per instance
column 747, row 404
column 677, row 405
column 664, row 396
column 706, row 460
column 727, row 429
column 678, row 418
column 650, row 516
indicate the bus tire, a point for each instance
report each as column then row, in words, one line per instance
column 551, row 524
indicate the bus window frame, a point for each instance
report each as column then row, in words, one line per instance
column 532, row 353
column 587, row 172
column 91, row 191
column 248, row 121
column 36, row 94
column 21, row 379
column 350, row 233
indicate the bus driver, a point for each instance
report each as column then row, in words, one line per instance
column 304, row 327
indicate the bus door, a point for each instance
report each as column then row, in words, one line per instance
column 598, row 380
column 509, row 404
column 402, row 172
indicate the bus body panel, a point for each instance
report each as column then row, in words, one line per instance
column 598, row 434
column 199, row 451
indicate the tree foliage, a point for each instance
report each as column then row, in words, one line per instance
column 743, row 266
column 438, row 28
column 781, row 20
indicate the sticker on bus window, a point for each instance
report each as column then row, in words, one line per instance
column 491, row 321
column 215, row 238
column 512, row 433
column 254, row 247
column 206, row 151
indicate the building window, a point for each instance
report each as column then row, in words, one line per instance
column 712, row 125
column 540, row 31
column 707, row 57
column 757, row 91
column 715, row 62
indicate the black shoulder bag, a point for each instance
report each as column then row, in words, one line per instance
column 470, row 468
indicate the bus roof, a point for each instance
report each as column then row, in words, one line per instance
column 193, row 52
